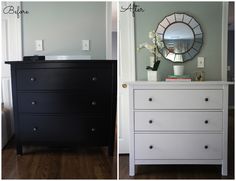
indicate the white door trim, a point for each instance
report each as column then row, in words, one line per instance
column 131, row 39
column 11, row 51
column 224, row 39
column 126, row 72
column 132, row 45
column 108, row 30
column 14, row 32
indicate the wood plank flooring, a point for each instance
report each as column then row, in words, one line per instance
column 182, row 171
column 51, row 163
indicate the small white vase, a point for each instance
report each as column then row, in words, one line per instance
column 178, row 69
column 153, row 75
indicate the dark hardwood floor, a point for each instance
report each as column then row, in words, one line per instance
column 52, row 163
column 182, row 171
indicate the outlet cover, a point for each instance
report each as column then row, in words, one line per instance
column 200, row 62
column 39, row 45
column 85, row 45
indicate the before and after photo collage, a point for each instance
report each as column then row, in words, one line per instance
column 117, row 90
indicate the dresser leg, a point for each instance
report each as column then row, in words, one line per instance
column 131, row 169
column 19, row 149
column 224, row 169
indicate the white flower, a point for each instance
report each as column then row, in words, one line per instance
column 160, row 44
column 151, row 34
column 158, row 37
column 154, row 46
column 149, row 47
column 141, row 46
column 159, row 55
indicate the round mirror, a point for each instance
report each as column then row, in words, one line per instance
column 178, row 38
column 182, row 37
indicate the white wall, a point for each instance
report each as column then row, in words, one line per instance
column 63, row 25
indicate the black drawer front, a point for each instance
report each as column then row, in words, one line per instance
column 63, row 129
column 64, row 78
column 81, row 102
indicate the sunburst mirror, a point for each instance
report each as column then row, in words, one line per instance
column 182, row 37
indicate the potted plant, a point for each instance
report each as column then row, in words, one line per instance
column 155, row 55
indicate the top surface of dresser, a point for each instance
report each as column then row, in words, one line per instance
column 177, row 85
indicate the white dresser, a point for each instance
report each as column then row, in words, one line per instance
column 178, row 123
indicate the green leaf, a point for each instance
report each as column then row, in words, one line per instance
column 156, row 65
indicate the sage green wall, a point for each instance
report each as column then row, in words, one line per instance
column 62, row 26
column 208, row 14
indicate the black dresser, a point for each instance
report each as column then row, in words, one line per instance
column 64, row 103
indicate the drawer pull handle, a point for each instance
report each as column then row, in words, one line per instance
column 206, row 146
column 33, row 102
column 35, row 129
column 206, row 99
column 93, row 103
column 150, row 121
column 150, row 147
column 206, row 121
column 150, row 99
column 124, row 85
column 32, row 79
column 93, row 129
column 94, row 78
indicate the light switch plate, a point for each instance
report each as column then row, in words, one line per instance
column 39, row 45
column 200, row 62
column 85, row 45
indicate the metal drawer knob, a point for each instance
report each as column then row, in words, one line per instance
column 33, row 102
column 94, row 78
column 93, row 103
column 32, row 79
column 150, row 99
column 150, row 147
column 93, row 129
column 206, row 146
column 150, row 121
column 35, row 129
column 206, row 99
column 206, row 121
column 124, row 85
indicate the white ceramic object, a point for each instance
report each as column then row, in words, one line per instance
column 153, row 75
column 178, row 69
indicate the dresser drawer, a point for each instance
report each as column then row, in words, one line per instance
column 63, row 129
column 178, row 146
column 178, row 121
column 178, row 99
column 81, row 102
column 54, row 79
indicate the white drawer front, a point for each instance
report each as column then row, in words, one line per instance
column 178, row 99
column 178, row 146
column 178, row 121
